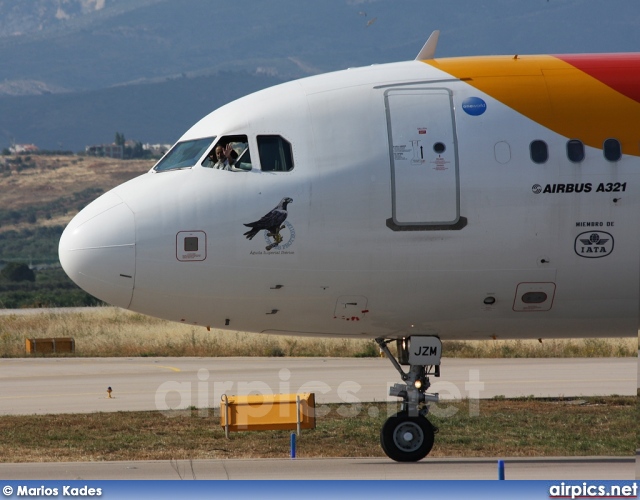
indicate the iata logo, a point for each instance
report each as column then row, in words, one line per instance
column 594, row 244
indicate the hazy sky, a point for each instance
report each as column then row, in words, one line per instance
column 161, row 42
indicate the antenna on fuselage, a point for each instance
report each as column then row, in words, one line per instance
column 429, row 49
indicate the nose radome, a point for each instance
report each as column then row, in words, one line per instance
column 97, row 250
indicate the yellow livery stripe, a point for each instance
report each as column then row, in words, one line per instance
column 558, row 95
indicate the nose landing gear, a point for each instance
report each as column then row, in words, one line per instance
column 408, row 436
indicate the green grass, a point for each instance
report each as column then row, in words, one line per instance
column 603, row 426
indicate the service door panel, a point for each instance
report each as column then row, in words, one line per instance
column 422, row 149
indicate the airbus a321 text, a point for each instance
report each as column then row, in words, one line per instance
column 414, row 202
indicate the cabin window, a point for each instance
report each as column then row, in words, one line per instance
column 575, row 150
column 184, row 154
column 275, row 153
column 230, row 153
column 539, row 151
column 612, row 150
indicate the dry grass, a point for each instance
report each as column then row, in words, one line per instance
column 602, row 426
column 116, row 332
column 56, row 176
column 50, row 178
column 553, row 348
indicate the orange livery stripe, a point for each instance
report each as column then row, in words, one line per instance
column 567, row 94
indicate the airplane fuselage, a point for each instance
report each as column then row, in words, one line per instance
column 464, row 198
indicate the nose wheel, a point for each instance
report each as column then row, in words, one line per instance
column 408, row 436
column 407, row 439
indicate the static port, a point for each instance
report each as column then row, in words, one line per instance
column 490, row 301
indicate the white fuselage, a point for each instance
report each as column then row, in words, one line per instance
column 409, row 216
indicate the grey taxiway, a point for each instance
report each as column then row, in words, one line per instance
column 79, row 385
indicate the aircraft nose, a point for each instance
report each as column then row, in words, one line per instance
column 97, row 250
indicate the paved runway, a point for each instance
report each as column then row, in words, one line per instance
column 595, row 468
column 78, row 385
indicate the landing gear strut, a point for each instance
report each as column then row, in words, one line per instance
column 408, row 436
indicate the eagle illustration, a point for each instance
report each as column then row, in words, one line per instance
column 271, row 222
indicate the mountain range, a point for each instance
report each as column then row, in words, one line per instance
column 74, row 72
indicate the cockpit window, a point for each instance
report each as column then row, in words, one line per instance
column 275, row 153
column 184, row 154
column 229, row 153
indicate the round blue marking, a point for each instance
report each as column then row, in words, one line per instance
column 474, row 106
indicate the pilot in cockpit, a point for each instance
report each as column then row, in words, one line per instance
column 221, row 157
column 225, row 158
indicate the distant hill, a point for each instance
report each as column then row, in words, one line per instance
column 154, row 112
column 42, row 191
column 72, row 44
column 87, row 59
column 40, row 195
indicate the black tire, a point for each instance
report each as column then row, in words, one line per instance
column 407, row 439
